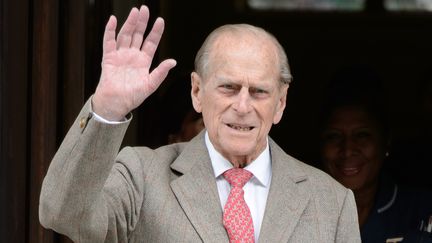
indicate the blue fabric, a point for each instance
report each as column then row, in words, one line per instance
column 398, row 212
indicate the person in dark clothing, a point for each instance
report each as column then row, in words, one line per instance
column 354, row 143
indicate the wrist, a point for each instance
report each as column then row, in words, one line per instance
column 104, row 113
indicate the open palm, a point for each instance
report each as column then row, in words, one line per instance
column 126, row 80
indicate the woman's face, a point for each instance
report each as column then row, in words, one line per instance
column 353, row 148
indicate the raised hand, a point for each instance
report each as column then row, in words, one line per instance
column 126, row 80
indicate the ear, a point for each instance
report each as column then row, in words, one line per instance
column 280, row 107
column 196, row 91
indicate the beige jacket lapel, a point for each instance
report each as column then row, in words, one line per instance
column 196, row 191
column 285, row 202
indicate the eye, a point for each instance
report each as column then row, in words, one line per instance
column 227, row 86
column 363, row 134
column 332, row 137
column 258, row 92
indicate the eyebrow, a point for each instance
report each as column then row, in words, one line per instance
column 263, row 86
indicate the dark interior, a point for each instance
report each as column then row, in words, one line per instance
column 50, row 64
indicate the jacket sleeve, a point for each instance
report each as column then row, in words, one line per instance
column 73, row 200
column 348, row 226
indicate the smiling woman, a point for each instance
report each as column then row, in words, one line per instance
column 355, row 141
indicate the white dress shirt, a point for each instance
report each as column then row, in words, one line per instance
column 255, row 190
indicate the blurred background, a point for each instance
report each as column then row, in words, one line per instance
column 50, row 54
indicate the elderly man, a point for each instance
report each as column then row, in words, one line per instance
column 230, row 183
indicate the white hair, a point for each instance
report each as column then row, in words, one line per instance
column 202, row 57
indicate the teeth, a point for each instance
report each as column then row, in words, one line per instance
column 240, row 128
column 350, row 170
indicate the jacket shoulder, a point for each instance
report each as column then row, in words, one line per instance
column 163, row 155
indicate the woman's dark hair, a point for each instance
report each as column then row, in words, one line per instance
column 357, row 86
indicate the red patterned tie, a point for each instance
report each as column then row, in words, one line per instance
column 237, row 218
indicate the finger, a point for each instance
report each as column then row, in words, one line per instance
column 109, row 42
column 160, row 72
column 141, row 26
column 152, row 41
column 125, row 35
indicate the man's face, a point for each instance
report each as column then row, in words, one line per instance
column 240, row 97
column 353, row 148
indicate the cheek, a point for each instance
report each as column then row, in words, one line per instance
column 207, row 119
column 372, row 151
column 328, row 166
column 375, row 158
column 328, row 153
column 208, row 108
column 329, row 157
column 268, row 115
column 211, row 117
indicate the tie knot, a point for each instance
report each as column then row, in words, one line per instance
column 237, row 177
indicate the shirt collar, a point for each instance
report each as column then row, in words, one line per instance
column 260, row 167
column 386, row 194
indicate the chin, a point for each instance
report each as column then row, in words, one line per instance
column 351, row 184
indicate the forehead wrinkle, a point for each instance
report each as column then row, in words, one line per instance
column 260, row 52
column 244, row 81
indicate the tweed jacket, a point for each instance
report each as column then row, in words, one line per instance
column 93, row 193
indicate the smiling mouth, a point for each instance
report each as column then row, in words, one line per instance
column 240, row 128
column 349, row 170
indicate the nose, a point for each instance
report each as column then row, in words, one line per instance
column 242, row 104
column 348, row 147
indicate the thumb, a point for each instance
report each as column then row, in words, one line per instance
column 158, row 75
